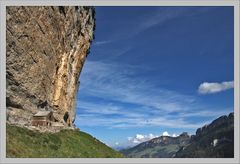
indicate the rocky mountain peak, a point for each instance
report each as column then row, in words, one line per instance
column 215, row 124
column 184, row 134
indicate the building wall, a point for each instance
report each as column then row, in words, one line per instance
column 41, row 123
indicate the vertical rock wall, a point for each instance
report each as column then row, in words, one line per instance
column 46, row 50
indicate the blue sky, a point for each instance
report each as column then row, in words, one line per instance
column 156, row 69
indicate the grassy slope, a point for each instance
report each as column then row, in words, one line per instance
column 25, row 143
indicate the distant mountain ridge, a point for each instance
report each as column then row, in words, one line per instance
column 213, row 140
column 163, row 146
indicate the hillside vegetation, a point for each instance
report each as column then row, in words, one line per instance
column 25, row 143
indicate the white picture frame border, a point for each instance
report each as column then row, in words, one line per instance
column 4, row 3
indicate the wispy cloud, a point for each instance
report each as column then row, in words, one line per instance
column 126, row 102
column 124, row 122
column 205, row 113
column 165, row 14
column 159, row 17
column 115, row 82
column 98, row 43
column 209, row 88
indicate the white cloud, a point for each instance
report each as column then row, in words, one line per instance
column 139, row 138
column 208, row 88
column 165, row 134
column 174, row 135
column 116, row 143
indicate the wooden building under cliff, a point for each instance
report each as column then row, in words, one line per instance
column 43, row 118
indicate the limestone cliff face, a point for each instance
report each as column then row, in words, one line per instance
column 46, row 50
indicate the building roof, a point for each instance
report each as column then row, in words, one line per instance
column 42, row 113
